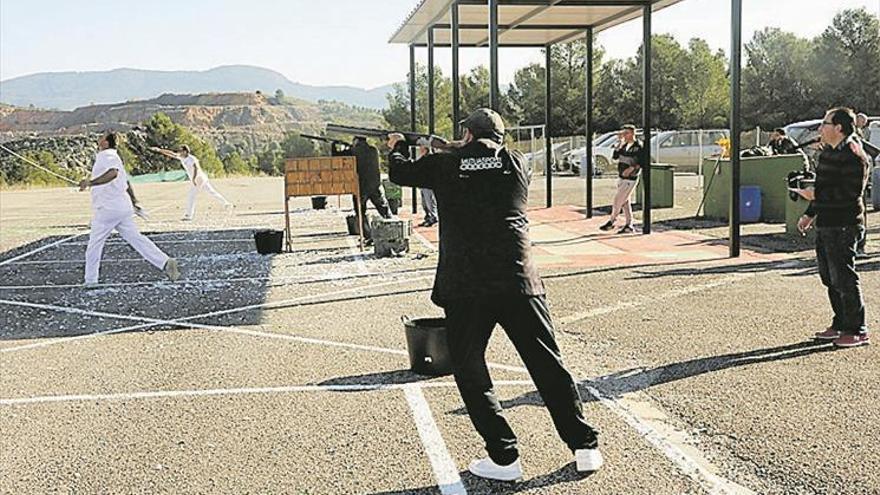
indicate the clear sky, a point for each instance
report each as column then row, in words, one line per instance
column 321, row 42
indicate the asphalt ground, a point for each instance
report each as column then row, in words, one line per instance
column 289, row 373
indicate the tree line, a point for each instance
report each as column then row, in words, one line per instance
column 786, row 79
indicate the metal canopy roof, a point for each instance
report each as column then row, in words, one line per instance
column 520, row 22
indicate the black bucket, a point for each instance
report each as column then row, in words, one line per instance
column 352, row 222
column 319, row 202
column 269, row 241
column 426, row 342
column 353, row 226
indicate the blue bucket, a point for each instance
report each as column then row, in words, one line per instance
column 750, row 204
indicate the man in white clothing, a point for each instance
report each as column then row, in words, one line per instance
column 196, row 175
column 113, row 204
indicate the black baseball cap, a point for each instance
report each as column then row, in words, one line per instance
column 485, row 123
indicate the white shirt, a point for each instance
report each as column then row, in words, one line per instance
column 112, row 196
column 191, row 164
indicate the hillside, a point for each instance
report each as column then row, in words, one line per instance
column 69, row 90
column 246, row 123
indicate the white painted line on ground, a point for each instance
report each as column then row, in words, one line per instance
column 274, row 282
column 40, row 249
column 151, row 322
column 201, row 257
column 170, row 394
column 445, row 472
column 425, row 242
column 697, row 471
column 169, row 241
column 209, row 231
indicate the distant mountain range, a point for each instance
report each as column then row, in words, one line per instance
column 69, row 90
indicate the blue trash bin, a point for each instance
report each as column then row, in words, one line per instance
column 750, row 204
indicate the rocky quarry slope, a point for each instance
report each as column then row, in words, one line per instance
column 245, row 122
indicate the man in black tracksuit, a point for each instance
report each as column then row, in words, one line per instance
column 781, row 144
column 367, row 157
column 837, row 210
column 486, row 276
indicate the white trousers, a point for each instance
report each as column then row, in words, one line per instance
column 103, row 224
column 206, row 186
column 622, row 200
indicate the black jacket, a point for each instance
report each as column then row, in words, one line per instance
column 482, row 195
column 627, row 157
column 784, row 146
column 841, row 176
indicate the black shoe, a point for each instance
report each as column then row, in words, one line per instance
column 627, row 229
column 607, row 226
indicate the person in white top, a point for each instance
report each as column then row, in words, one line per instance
column 113, row 204
column 196, row 175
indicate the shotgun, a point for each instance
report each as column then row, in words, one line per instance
column 412, row 138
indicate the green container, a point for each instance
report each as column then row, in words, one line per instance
column 767, row 172
column 166, row 176
column 662, row 186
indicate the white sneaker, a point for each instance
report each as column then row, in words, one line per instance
column 486, row 468
column 588, row 459
column 172, row 270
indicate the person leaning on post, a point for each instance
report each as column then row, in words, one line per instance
column 486, row 275
column 630, row 157
column 837, row 212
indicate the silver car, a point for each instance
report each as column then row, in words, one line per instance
column 685, row 149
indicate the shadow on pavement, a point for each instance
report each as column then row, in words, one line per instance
column 638, row 379
column 396, row 377
column 477, row 485
column 752, row 267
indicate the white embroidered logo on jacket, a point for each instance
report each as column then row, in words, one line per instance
column 480, row 163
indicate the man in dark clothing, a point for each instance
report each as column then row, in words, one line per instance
column 629, row 155
column 781, row 144
column 369, row 180
column 837, row 211
column 486, row 276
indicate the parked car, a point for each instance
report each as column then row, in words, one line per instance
column 809, row 129
column 574, row 158
column 685, row 149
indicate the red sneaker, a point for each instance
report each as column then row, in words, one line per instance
column 828, row 334
column 850, row 340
